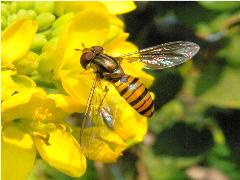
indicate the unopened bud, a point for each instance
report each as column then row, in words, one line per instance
column 25, row 5
column 4, row 9
column 27, row 64
column 13, row 7
column 45, row 20
column 38, row 42
column 3, row 22
column 62, row 20
column 22, row 13
column 11, row 18
column 46, row 65
column 41, row 7
column 55, row 32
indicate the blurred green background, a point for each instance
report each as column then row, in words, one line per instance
column 194, row 133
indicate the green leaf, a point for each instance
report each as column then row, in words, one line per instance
column 183, row 140
column 220, row 158
column 208, row 78
column 167, row 116
column 225, row 93
column 167, row 167
column 220, row 6
column 231, row 51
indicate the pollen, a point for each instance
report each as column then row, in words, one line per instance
column 41, row 114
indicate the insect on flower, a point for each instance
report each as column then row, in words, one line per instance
column 108, row 69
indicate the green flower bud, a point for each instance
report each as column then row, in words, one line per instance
column 41, row 7
column 32, row 13
column 46, row 65
column 25, row 5
column 22, row 13
column 27, row 64
column 11, row 18
column 38, row 42
column 62, row 20
column 45, row 20
column 60, row 23
column 13, row 7
column 55, row 32
column 4, row 22
column 46, row 33
column 4, row 9
column 51, row 45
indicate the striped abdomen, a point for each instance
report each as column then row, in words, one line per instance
column 136, row 94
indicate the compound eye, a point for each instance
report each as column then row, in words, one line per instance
column 97, row 49
column 86, row 58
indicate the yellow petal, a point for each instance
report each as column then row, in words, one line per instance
column 116, row 27
column 64, row 7
column 119, row 7
column 119, row 46
column 129, row 124
column 78, row 87
column 32, row 105
column 90, row 27
column 17, row 39
column 67, row 103
column 102, row 144
column 63, row 153
column 14, row 108
column 18, row 154
column 13, row 83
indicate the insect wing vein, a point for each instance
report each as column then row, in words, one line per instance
column 164, row 55
column 93, row 124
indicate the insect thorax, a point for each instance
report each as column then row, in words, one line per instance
column 107, row 67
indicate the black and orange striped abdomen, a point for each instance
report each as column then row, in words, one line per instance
column 136, row 94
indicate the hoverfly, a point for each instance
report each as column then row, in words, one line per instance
column 130, row 88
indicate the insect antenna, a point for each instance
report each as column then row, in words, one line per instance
column 81, row 49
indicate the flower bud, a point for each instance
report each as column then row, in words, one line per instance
column 51, row 45
column 60, row 23
column 27, row 64
column 45, row 20
column 32, row 13
column 46, row 65
column 38, row 42
column 3, row 22
column 13, row 7
column 62, row 20
column 25, row 5
column 55, row 32
column 41, row 7
column 46, row 33
column 22, row 13
column 11, row 18
column 4, row 9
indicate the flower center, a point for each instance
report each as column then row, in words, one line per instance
column 41, row 114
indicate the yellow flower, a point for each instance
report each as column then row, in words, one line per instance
column 16, row 41
column 118, row 7
column 43, row 83
column 33, row 121
column 93, row 27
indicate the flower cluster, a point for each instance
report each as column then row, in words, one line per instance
column 43, row 83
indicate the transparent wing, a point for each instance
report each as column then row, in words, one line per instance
column 98, row 120
column 163, row 55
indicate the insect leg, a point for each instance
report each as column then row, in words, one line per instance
column 88, row 108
